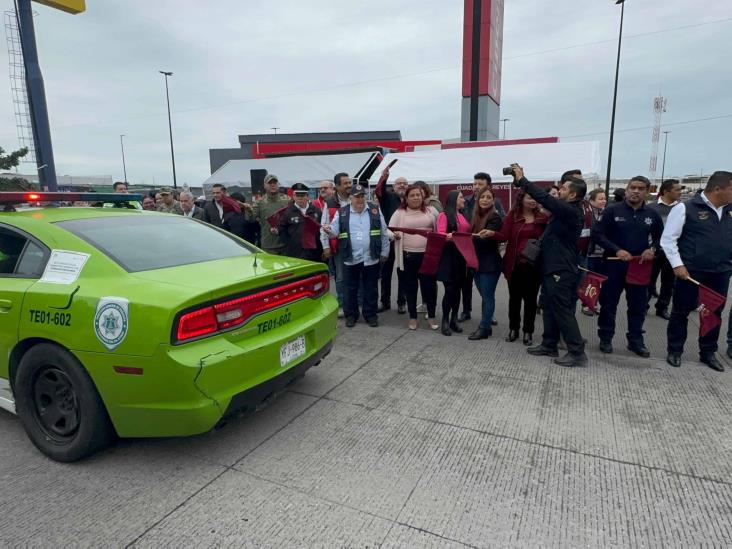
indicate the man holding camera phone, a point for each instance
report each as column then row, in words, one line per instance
column 560, row 273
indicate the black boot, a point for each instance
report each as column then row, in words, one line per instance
column 528, row 338
column 446, row 327
column 512, row 335
column 481, row 333
column 454, row 326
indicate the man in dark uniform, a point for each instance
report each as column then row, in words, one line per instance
column 625, row 231
column 294, row 229
column 560, row 272
column 697, row 241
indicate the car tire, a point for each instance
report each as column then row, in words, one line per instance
column 59, row 405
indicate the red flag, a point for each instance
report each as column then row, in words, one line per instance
column 228, row 205
column 274, row 219
column 310, row 233
column 639, row 272
column 710, row 305
column 589, row 290
column 432, row 253
column 464, row 243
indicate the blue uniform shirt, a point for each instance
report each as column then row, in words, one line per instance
column 360, row 239
column 623, row 228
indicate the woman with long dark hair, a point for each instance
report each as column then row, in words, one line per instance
column 409, row 250
column 524, row 222
column 486, row 221
column 452, row 271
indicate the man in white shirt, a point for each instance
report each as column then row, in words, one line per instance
column 363, row 245
column 697, row 241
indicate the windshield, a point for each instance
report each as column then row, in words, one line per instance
column 148, row 242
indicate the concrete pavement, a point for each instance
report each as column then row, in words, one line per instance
column 413, row 439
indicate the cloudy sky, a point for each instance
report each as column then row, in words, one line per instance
column 243, row 66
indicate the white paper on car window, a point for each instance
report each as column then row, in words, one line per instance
column 64, row 267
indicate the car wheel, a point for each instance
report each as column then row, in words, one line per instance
column 59, row 406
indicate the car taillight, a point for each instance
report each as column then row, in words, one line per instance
column 235, row 312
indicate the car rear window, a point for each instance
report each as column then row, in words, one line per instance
column 148, row 242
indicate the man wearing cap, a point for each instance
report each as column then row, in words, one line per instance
column 301, row 236
column 168, row 204
column 363, row 244
column 265, row 207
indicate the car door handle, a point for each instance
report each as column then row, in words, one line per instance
column 5, row 304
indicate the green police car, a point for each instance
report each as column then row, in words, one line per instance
column 120, row 322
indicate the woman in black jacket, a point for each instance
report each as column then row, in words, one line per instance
column 485, row 222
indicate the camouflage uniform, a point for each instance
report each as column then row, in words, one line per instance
column 261, row 210
column 174, row 208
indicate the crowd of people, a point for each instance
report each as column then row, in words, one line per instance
column 547, row 241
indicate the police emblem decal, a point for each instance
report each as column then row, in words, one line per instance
column 111, row 321
column 703, row 215
column 649, row 221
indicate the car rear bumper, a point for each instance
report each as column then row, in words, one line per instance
column 248, row 400
column 188, row 389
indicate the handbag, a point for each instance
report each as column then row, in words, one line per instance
column 532, row 251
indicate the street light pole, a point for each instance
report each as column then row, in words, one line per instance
column 504, row 120
column 170, row 125
column 124, row 166
column 615, row 100
column 665, row 142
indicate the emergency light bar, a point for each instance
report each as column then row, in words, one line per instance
column 31, row 197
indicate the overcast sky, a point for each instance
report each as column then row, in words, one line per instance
column 243, row 66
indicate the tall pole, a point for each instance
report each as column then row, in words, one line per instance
column 36, row 97
column 170, row 125
column 615, row 100
column 124, row 166
column 504, row 120
column 665, row 142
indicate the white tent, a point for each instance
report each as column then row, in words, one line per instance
column 309, row 169
column 541, row 162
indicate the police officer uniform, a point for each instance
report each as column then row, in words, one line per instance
column 362, row 243
column 292, row 228
column 622, row 227
column 698, row 236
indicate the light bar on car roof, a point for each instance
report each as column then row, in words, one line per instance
column 26, row 197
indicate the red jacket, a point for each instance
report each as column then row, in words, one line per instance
column 515, row 232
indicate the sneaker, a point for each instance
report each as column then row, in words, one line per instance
column 341, row 314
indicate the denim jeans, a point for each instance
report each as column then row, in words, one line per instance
column 486, row 284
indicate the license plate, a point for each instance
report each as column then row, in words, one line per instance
column 291, row 350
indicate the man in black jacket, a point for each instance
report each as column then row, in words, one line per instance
column 389, row 202
column 294, row 228
column 559, row 256
column 213, row 211
column 626, row 230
